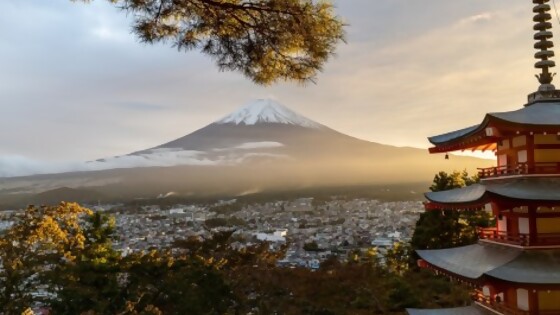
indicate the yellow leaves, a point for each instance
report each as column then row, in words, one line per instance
column 213, row 262
column 204, row 260
column 100, row 261
column 152, row 310
column 17, row 263
column 372, row 252
column 69, row 257
column 55, row 228
column 131, row 309
column 170, row 262
column 49, row 230
column 463, row 221
column 28, row 311
column 44, row 230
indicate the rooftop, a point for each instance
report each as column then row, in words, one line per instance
column 538, row 117
column 530, row 188
column 500, row 262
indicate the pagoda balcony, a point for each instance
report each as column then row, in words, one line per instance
column 504, row 309
column 541, row 168
column 519, row 239
column 498, row 307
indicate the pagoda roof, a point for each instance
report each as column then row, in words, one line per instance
column 528, row 188
column 471, row 261
column 538, row 114
column 447, row 137
column 541, row 114
column 537, row 266
column 531, row 188
column 463, row 195
column 500, row 262
column 469, row 310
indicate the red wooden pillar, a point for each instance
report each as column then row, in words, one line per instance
column 533, row 235
column 531, row 154
column 533, row 302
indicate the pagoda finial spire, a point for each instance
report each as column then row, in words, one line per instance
column 543, row 44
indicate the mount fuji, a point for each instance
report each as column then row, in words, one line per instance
column 261, row 146
column 261, row 131
column 267, row 111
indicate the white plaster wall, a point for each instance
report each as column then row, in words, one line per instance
column 523, row 299
column 502, row 224
column 502, row 160
column 524, row 225
column 522, row 156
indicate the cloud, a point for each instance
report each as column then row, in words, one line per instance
column 104, row 32
column 11, row 166
column 140, row 106
column 478, row 18
column 15, row 165
column 259, row 145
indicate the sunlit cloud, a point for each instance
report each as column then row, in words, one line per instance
column 106, row 33
column 478, row 18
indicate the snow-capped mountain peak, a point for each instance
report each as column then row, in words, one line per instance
column 267, row 111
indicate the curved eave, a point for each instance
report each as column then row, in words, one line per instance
column 452, row 136
column 466, row 196
column 456, row 206
column 475, row 140
column 470, row 262
column 534, row 267
column 540, row 267
column 533, row 189
column 539, row 117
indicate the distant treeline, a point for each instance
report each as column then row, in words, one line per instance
column 393, row 192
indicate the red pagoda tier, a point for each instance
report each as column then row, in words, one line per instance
column 526, row 208
column 526, row 141
column 515, row 266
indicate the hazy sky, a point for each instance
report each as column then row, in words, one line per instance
column 76, row 85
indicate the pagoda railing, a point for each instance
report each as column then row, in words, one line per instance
column 505, row 309
column 542, row 168
column 497, row 306
column 521, row 239
column 504, row 237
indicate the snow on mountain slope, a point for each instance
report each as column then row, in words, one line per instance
column 267, row 111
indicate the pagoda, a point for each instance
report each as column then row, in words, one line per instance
column 515, row 266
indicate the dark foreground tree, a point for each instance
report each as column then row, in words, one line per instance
column 267, row 40
column 449, row 228
column 90, row 281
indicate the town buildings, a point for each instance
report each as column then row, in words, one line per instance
column 336, row 227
